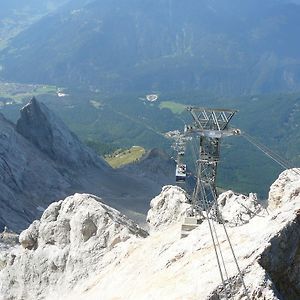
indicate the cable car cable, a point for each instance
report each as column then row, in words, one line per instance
column 231, row 247
column 214, row 243
column 213, row 231
column 271, row 154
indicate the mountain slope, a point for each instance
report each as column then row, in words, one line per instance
column 221, row 48
column 28, row 180
column 42, row 161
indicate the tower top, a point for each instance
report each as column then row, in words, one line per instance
column 211, row 122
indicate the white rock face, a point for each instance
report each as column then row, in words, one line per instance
column 163, row 266
column 8, row 243
column 85, row 250
column 238, row 209
column 64, row 247
column 28, row 238
column 168, row 207
column 285, row 189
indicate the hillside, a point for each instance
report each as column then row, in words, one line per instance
column 218, row 48
column 107, row 123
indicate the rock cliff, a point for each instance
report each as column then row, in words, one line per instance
column 83, row 249
column 238, row 209
column 28, row 179
column 49, row 134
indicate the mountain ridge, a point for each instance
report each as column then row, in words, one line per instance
column 218, row 48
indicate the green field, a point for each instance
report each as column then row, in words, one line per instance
column 123, row 157
column 175, row 108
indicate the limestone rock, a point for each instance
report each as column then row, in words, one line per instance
column 29, row 181
column 163, row 266
column 238, row 209
column 8, row 243
column 285, row 189
column 66, row 246
column 28, row 238
column 168, row 207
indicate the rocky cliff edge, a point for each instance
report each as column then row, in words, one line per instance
column 82, row 249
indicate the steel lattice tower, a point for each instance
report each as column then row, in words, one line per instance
column 209, row 125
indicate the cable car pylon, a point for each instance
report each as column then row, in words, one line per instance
column 208, row 128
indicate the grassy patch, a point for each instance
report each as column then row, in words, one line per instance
column 123, row 157
column 176, row 108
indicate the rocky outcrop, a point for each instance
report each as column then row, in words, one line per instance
column 238, row 209
column 49, row 134
column 28, row 238
column 170, row 206
column 65, row 246
column 29, row 180
column 285, row 189
column 8, row 243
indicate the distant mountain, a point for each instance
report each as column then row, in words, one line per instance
column 42, row 161
column 217, row 47
column 17, row 15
